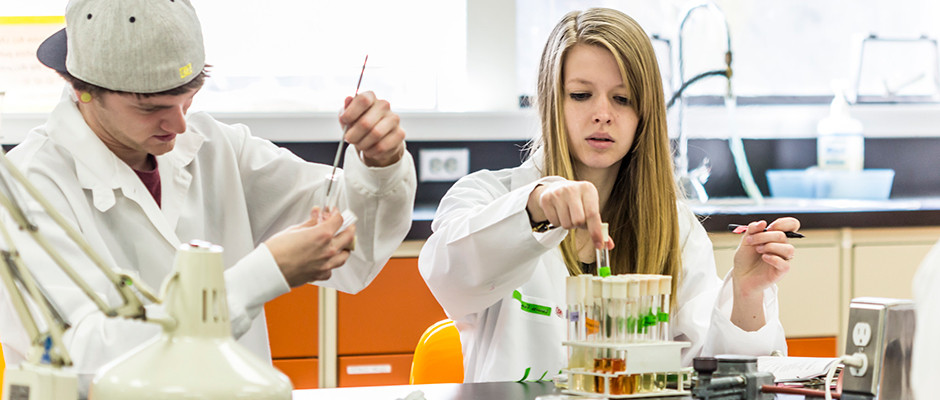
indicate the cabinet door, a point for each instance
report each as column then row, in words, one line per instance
column 808, row 295
column 374, row 370
column 886, row 270
column 292, row 323
column 390, row 315
column 303, row 372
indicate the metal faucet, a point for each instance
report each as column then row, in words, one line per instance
column 693, row 182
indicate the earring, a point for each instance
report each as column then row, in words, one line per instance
column 85, row 97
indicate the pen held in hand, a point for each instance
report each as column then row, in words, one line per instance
column 735, row 228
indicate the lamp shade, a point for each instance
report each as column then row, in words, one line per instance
column 197, row 357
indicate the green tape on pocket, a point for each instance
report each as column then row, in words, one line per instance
column 532, row 307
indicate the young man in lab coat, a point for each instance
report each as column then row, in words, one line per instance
column 122, row 160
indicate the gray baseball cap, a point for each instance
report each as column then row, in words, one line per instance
column 136, row 46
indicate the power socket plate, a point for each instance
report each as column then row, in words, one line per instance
column 443, row 165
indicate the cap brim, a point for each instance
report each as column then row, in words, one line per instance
column 53, row 50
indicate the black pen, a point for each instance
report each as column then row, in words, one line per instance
column 735, row 228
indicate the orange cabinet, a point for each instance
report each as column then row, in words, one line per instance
column 385, row 319
column 376, row 329
column 812, row 347
column 390, row 315
column 292, row 332
column 292, row 323
column 303, row 372
column 374, row 370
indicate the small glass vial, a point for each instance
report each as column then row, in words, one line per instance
column 602, row 256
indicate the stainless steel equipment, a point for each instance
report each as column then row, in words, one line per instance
column 730, row 378
column 881, row 332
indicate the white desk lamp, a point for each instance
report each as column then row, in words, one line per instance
column 195, row 357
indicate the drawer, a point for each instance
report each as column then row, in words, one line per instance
column 392, row 369
column 292, row 323
column 812, row 347
column 389, row 316
column 303, row 372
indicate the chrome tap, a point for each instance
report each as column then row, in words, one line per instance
column 692, row 182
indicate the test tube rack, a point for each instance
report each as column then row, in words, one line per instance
column 640, row 358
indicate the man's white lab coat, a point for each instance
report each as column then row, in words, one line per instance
column 483, row 249
column 220, row 184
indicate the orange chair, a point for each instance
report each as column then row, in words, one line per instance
column 438, row 357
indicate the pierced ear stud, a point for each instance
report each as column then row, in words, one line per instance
column 85, row 97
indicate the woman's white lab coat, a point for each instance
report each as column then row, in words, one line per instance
column 483, row 249
column 220, row 184
column 924, row 366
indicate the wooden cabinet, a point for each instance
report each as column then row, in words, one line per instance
column 831, row 268
column 879, row 254
column 808, row 296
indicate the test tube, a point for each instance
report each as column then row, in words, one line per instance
column 645, row 380
column 574, row 308
column 591, row 330
column 601, row 358
column 655, row 298
column 576, row 332
column 602, row 256
column 665, row 289
column 633, row 305
column 618, row 384
column 642, row 320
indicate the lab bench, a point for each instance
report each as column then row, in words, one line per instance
column 848, row 249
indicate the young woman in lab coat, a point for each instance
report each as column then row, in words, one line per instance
column 603, row 156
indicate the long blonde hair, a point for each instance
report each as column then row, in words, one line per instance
column 641, row 209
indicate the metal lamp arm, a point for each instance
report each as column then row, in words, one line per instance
column 132, row 306
column 56, row 351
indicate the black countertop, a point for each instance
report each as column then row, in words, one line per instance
column 446, row 391
column 716, row 214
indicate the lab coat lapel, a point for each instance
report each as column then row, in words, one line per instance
column 175, row 178
column 100, row 170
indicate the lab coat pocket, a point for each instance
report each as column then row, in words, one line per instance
column 528, row 343
column 535, row 308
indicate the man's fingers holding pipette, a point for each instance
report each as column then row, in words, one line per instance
column 355, row 107
column 384, row 144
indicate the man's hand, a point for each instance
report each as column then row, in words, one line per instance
column 309, row 251
column 374, row 129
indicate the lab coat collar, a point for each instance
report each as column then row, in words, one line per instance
column 101, row 171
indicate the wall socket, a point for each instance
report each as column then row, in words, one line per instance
column 443, row 165
column 880, row 333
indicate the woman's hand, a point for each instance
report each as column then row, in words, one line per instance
column 762, row 258
column 569, row 205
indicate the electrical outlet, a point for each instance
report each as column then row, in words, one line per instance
column 443, row 165
column 880, row 334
